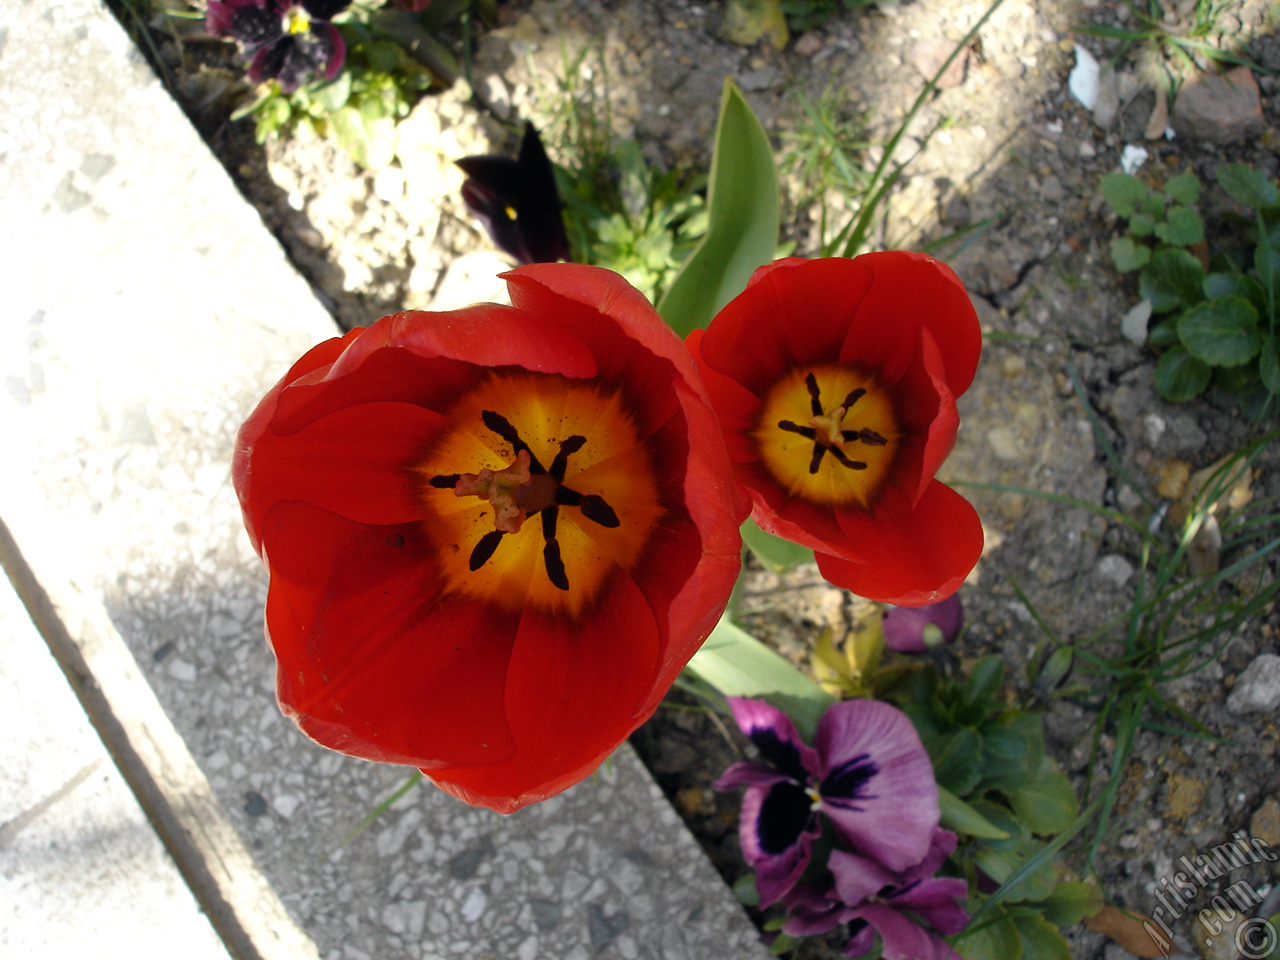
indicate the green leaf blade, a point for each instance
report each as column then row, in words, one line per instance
column 742, row 220
column 1221, row 332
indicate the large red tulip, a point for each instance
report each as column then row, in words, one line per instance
column 835, row 381
column 494, row 535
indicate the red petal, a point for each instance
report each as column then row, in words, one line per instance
column 372, row 661
column 737, row 408
column 574, row 692
column 927, row 413
column 793, row 313
column 353, row 462
column 908, row 556
column 913, row 291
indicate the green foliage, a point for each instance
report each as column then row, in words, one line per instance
column 1221, row 323
column 359, row 108
column 620, row 212
column 807, row 14
column 1175, row 36
column 742, row 227
column 823, row 153
column 1002, row 794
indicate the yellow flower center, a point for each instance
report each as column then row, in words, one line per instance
column 828, row 435
column 297, row 20
column 538, row 491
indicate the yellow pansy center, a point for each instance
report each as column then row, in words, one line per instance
column 828, row 435
column 297, row 20
column 539, row 489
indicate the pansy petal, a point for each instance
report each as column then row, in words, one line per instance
column 904, row 939
column 910, row 556
column 937, row 901
column 877, row 786
column 904, row 626
column 775, row 736
column 857, row 877
column 749, row 773
column 776, row 828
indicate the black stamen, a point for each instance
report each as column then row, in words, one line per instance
column 555, row 566
column 593, row 507
column 869, row 437
column 444, row 481
column 853, row 398
column 503, row 428
column 549, row 517
column 561, row 462
column 792, row 427
column 815, row 400
column 844, row 459
column 818, row 451
column 484, row 549
column 566, row 497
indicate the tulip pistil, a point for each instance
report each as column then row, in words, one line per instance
column 825, row 428
column 523, row 489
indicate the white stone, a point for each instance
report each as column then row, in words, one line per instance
column 473, row 906
column 1257, row 689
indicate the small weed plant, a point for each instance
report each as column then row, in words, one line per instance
column 1217, row 315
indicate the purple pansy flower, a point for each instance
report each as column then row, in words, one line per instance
column 867, row 773
column 516, row 201
column 911, row 909
column 290, row 40
column 904, row 627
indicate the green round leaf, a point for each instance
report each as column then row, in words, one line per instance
column 1180, row 376
column 1163, row 334
column 1184, row 188
column 998, row 940
column 1248, row 186
column 1183, row 228
column 1070, row 902
column 1236, row 379
column 1040, row 940
column 1127, row 255
column 957, row 760
column 1172, row 279
column 1047, row 803
column 1142, row 225
column 1124, row 192
column 1222, row 332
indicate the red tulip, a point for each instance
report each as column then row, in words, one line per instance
column 494, row 536
column 835, row 381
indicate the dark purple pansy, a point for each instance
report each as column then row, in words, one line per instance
column 517, row 203
column 915, row 629
column 288, row 40
column 867, row 773
column 911, row 909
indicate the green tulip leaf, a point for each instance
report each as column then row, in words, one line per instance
column 1173, row 278
column 742, row 220
column 775, row 553
column 1180, row 376
column 739, row 665
column 1222, row 332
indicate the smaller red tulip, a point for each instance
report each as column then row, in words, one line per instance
column 836, row 381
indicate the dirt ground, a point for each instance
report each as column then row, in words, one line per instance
column 1016, row 154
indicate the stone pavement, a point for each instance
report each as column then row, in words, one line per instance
column 146, row 308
